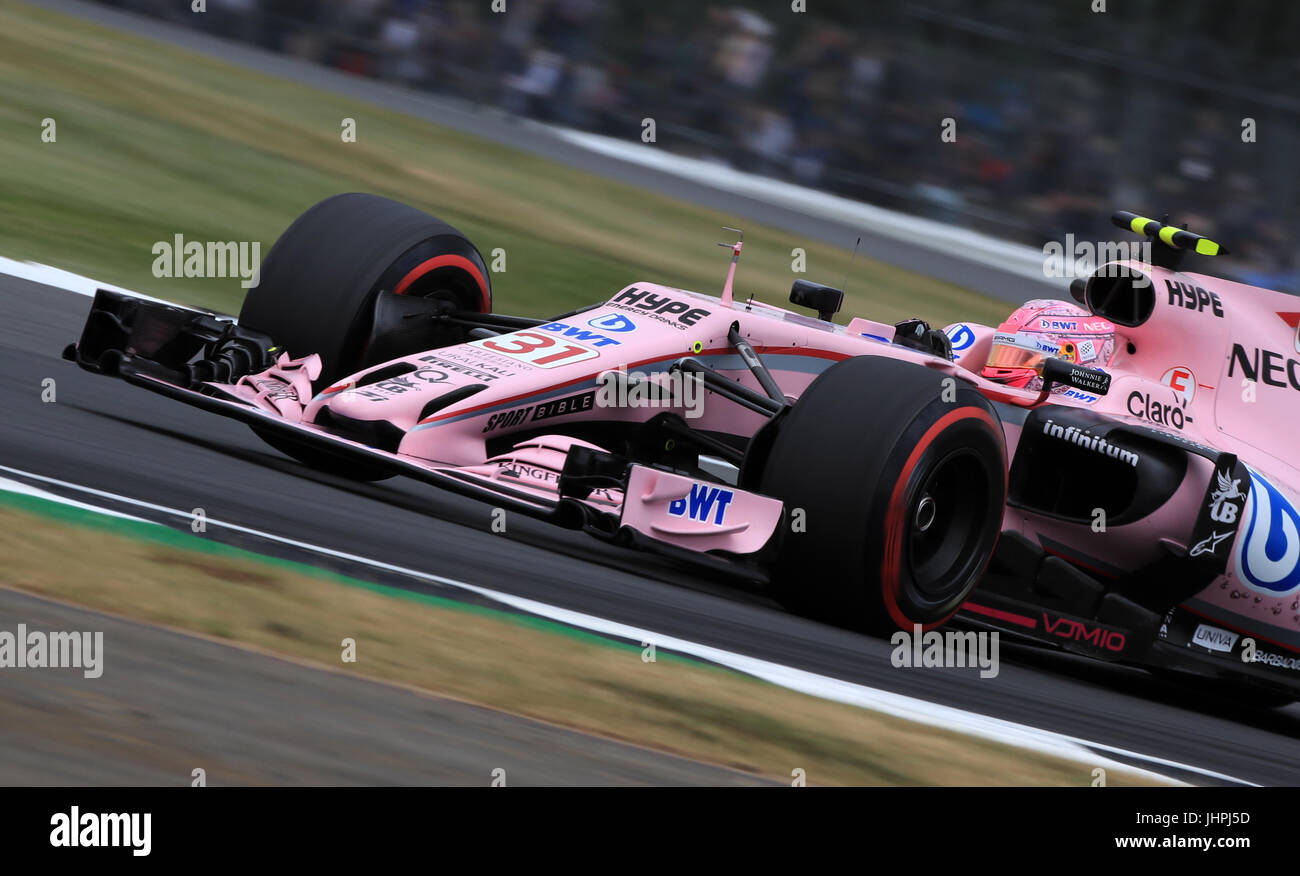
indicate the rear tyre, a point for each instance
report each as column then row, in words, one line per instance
column 894, row 477
column 318, row 284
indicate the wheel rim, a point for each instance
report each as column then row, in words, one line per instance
column 945, row 523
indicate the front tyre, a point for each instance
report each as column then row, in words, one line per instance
column 894, row 477
column 317, row 289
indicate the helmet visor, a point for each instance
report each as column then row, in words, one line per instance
column 1007, row 352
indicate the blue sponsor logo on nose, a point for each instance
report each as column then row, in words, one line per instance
column 961, row 336
column 615, row 322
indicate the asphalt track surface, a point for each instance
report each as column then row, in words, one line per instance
column 104, row 434
column 951, row 267
column 167, row 704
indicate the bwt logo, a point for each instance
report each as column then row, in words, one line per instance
column 1058, row 325
column 701, row 503
column 596, row 339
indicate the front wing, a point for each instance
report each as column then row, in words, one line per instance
column 206, row 361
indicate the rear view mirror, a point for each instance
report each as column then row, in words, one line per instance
column 823, row 299
column 1087, row 379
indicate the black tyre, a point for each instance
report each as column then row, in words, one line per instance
column 318, row 284
column 317, row 287
column 901, row 480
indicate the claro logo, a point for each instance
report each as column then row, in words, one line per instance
column 1143, row 405
column 1097, row 637
column 1265, row 366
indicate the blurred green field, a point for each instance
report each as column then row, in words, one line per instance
column 153, row 141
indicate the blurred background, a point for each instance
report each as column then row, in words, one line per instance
column 1061, row 116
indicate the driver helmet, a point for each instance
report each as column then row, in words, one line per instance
column 1045, row 329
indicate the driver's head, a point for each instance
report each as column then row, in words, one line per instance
column 1044, row 329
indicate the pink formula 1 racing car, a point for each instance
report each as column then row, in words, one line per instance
column 1113, row 475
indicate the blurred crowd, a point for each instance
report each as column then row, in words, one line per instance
column 1057, row 122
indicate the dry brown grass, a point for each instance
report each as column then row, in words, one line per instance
column 519, row 665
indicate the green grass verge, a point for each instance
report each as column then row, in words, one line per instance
column 154, row 141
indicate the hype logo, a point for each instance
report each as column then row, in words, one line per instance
column 1268, row 558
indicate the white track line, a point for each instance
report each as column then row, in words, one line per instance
column 825, row 687
column 12, row 486
column 46, row 275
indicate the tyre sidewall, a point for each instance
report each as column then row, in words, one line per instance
column 318, row 284
column 856, row 453
column 940, row 432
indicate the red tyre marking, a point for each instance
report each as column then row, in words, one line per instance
column 891, row 564
column 999, row 614
column 444, row 261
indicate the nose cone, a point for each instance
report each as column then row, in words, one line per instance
column 399, row 393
